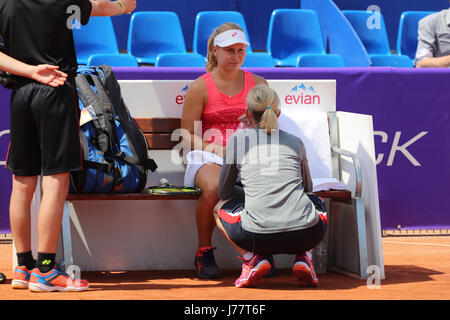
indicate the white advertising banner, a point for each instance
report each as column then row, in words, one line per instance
column 165, row 98
column 305, row 95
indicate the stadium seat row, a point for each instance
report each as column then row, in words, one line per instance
column 375, row 39
column 294, row 40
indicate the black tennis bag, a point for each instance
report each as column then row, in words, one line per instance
column 114, row 149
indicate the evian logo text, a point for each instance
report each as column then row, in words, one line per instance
column 300, row 94
column 179, row 99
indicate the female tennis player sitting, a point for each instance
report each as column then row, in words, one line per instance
column 272, row 213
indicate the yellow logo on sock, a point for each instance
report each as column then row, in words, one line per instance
column 46, row 262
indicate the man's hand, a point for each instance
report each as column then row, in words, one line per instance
column 107, row 8
column 129, row 5
column 48, row 74
column 44, row 73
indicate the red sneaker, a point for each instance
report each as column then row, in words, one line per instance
column 55, row 280
column 21, row 278
column 304, row 271
column 252, row 271
column 205, row 263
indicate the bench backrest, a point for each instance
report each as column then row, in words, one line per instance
column 158, row 131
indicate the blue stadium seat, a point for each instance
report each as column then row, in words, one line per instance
column 320, row 60
column 407, row 32
column 153, row 33
column 258, row 60
column 385, row 60
column 375, row 39
column 94, row 38
column 207, row 21
column 371, row 29
column 180, row 60
column 113, row 60
column 293, row 32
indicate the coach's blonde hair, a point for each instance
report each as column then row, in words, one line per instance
column 211, row 64
column 263, row 102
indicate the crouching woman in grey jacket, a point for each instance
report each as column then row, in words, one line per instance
column 272, row 210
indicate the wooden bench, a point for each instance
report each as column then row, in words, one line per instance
column 158, row 133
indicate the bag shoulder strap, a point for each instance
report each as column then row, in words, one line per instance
column 103, row 130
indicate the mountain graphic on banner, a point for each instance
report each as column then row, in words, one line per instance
column 302, row 87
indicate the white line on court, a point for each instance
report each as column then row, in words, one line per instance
column 419, row 243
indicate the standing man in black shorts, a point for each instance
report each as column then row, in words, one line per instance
column 46, row 74
column 44, row 128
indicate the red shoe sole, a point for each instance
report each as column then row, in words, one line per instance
column 303, row 274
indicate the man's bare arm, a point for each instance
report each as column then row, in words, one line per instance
column 43, row 73
column 106, row 8
column 436, row 62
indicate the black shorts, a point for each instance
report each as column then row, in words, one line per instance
column 44, row 130
column 289, row 242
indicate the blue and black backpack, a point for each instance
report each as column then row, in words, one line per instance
column 114, row 149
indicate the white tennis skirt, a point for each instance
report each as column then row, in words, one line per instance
column 196, row 159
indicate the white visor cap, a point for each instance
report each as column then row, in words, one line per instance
column 230, row 37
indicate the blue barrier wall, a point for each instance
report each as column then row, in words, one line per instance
column 257, row 14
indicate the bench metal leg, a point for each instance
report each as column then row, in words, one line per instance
column 66, row 235
column 347, row 246
column 362, row 237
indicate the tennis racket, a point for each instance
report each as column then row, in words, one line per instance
column 171, row 189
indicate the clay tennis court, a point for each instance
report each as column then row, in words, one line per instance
column 417, row 268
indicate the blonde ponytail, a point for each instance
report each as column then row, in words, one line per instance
column 263, row 102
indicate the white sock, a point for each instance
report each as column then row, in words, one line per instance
column 248, row 255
